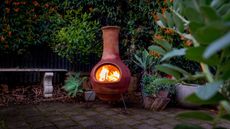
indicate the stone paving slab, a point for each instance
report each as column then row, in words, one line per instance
column 98, row 116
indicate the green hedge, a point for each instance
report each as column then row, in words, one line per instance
column 26, row 23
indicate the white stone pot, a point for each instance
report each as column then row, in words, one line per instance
column 183, row 91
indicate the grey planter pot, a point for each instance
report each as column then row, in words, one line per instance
column 183, row 91
column 89, row 95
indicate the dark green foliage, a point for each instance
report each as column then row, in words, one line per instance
column 153, row 85
column 209, row 32
column 225, row 90
column 39, row 22
column 108, row 12
column 134, row 17
column 20, row 24
column 77, row 36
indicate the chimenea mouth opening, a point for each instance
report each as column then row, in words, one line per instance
column 108, row 73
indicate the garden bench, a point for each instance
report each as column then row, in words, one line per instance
column 47, row 78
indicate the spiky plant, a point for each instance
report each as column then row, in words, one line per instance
column 73, row 84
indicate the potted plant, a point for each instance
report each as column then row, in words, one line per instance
column 183, row 90
column 157, row 92
column 145, row 61
column 209, row 36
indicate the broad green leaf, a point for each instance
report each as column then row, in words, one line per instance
column 226, row 106
column 198, row 115
column 209, row 14
column 169, row 19
column 165, row 44
column 217, row 45
column 195, row 54
column 192, row 15
column 192, row 4
column 218, row 3
column 194, row 26
column 175, row 68
column 204, row 2
column 186, row 126
column 209, row 90
column 226, row 16
column 168, row 71
column 179, row 23
column 193, row 98
column 157, row 49
column 173, row 53
column 225, row 70
column 224, row 9
column 226, row 75
column 195, row 76
column 209, row 33
column 226, row 116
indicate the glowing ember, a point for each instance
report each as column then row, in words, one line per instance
column 108, row 73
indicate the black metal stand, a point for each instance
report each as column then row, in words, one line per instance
column 125, row 108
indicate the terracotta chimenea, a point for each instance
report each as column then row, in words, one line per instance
column 110, row 77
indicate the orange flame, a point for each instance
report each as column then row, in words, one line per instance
column 108, row 73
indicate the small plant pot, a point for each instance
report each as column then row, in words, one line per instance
column 89, row 95
column 160, row 103
column 148, row 100
column 163, row 94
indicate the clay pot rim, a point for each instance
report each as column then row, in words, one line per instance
column 110, row 27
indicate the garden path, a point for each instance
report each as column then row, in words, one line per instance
column 98, row 116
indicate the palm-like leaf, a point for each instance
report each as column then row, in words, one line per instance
column 144, row 60
column 73, row 84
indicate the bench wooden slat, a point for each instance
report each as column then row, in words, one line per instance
column 31, row 70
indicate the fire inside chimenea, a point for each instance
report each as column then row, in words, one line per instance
column 110, row 77
column 108, row 73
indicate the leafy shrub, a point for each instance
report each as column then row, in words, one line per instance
column 20, row 26
column 108, row 12
column 153, row 85
column 77, row 36
column 44, row 22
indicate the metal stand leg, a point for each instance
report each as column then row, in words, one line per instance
column 125, row 109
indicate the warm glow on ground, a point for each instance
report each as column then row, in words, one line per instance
column 108, row 73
